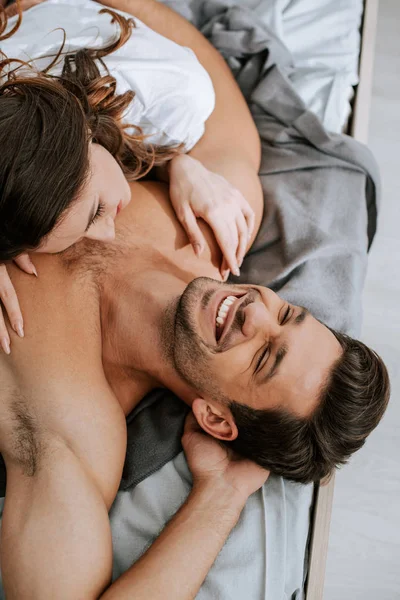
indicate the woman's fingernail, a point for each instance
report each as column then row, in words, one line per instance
column 225, row 275
column 197, row 249
column 34, row 272
column 236, row 271
column 5, row 344
column 19, row 328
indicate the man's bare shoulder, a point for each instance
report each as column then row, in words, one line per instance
column 53, row 391
column 62, row 340
column 55, row 306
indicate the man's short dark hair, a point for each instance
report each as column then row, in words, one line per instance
column 352, row 403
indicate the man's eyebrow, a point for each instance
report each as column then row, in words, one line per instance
column 301, row 316
column 283, row 350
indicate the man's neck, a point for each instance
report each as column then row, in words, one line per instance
column 146, row 270
column 134, row 316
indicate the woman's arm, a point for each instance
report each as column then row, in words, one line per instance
column 230, row 127
column 230, row 145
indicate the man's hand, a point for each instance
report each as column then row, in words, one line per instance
column 212, row 463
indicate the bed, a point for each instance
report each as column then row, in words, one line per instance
column 278, row 550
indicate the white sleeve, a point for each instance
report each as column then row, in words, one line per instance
column 174, row 94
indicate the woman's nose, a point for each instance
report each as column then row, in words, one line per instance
column 258, row 319
column 103, row 230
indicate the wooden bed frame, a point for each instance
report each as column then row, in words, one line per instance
column 358, row 128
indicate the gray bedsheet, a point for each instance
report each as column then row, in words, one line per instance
column 321, row 193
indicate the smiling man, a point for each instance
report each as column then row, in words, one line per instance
column 254, row 345
column 107, row 324
column 262, row 375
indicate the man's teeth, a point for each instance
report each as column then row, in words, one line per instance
column 223, row 310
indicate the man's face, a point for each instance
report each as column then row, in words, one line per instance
column 247, row 344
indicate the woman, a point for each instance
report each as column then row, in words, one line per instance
column 69, row 146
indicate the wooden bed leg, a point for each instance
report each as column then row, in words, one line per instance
column 321, row 520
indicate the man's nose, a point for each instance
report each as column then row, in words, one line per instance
column 258, row 319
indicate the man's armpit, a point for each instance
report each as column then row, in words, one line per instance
column 23, row 440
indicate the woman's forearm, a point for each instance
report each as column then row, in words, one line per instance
column 175, row 566
column 230, row 145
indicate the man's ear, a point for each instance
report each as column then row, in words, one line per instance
column 215, row 419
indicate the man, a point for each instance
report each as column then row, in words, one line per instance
column 106, row 327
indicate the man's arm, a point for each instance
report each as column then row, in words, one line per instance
column 56, row 540
column 177, row 563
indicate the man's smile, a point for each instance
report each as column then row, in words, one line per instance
column 219, row 312
column 222, row 313
column 228, row 309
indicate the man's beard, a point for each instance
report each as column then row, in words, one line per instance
column 189, row 353
column 182, row 345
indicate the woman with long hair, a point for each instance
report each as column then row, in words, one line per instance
column 71, row 141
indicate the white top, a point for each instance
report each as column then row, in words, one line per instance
column 174, row 94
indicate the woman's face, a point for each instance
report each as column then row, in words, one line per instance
column 106, row 193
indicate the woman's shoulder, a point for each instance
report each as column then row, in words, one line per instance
column 174, row 95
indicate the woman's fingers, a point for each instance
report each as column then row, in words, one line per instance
column 226, row 235
column 249, row 216
column 11, row 305
column 193, row 231
column 25, row 264
column 4, row 337
column 224, row 270
column 243, row 235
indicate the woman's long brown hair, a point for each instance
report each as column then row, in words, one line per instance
column 46, row 122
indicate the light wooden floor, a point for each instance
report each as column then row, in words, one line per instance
column 364, row 550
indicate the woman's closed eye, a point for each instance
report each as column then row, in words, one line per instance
column 99, row 213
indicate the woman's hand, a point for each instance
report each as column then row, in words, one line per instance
column 10, row 302
column 196, row 193
column 210, row 462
